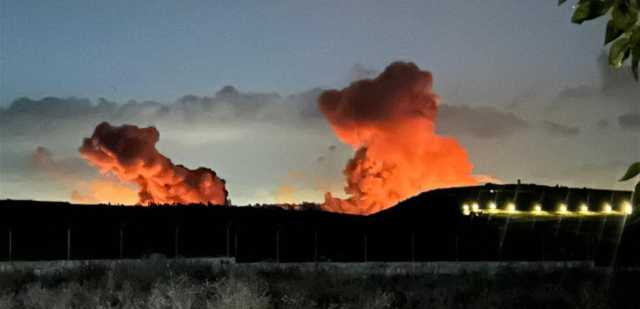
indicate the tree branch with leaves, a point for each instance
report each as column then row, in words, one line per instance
column 633, row 171
column 623, row 29
column 623, row 34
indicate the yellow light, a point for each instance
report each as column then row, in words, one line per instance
column 606, row 208
column 511, row 207
column 475, row 207
column 626, row 208
column 537, row 209
column 492, row 206
column 584, row 208
column 562, row 208
column 465, row 209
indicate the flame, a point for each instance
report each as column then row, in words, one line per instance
column 129, row 152
column 389, row 121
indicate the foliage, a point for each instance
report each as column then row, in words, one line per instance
column 623, row 30
column 276, row 287
column 633, row 171
column 623, row 33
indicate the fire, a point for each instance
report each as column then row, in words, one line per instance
column 390, row 123
column 129, row 152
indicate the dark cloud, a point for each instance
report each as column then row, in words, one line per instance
column 27, row 117
column 616, row 86
column 560, row 129
column 50, row 107
column 481, row 121
column 596, row 175
column 629, row 121
column 602, row 124
column 360, row 71
column 42, row 161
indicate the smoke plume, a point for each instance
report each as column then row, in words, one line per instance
column 390, row 123
column 129, row 152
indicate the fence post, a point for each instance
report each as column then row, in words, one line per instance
column 542, row 244
column 315, row 246
column 68, row 243
column 228, row 235
column 278, row 245
column 366, row 258
column 10, row 243
column 121, row 242
column 235, row 244
column 413, row 246
column 456, row 248
column 176, row 242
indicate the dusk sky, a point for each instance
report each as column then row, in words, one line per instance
column 525, row 91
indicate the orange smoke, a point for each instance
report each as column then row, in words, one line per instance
column 129, row 152
column 390, row 123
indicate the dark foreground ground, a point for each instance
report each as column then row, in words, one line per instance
column 179, row 284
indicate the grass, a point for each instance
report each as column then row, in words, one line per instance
column 181, row 285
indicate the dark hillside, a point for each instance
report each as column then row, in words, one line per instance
column 427, row 227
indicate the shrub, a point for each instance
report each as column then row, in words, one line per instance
column 235, row 293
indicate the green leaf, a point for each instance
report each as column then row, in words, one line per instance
column 635, row 35
column 612, row 32
column 618, row 52
column 589, row 9
column 636, row 196
column 633, row 171
column 635, row 60
column 624, row 16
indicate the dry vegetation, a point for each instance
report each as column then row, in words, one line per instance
column 180, row 285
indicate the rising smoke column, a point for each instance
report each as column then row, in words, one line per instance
column 390, row 123
column 129, row 152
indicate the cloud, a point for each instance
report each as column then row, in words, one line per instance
column 86, row 187
column 616, row 86
column 360, row 71
column 630, row 121
column 71, row 169
column 227, row 105
column 595, row 175
column 481, row 121
column 560, row 129
column 602, row 124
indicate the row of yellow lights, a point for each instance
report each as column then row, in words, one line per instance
column 510, row 208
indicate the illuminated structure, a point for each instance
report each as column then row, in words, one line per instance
column 537, row 209
column 626, row 208
column 511, row 209
column 492, row 207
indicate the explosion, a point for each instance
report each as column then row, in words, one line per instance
column 129, row 152
column 390, row 123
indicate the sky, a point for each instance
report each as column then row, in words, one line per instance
column 525, row 91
